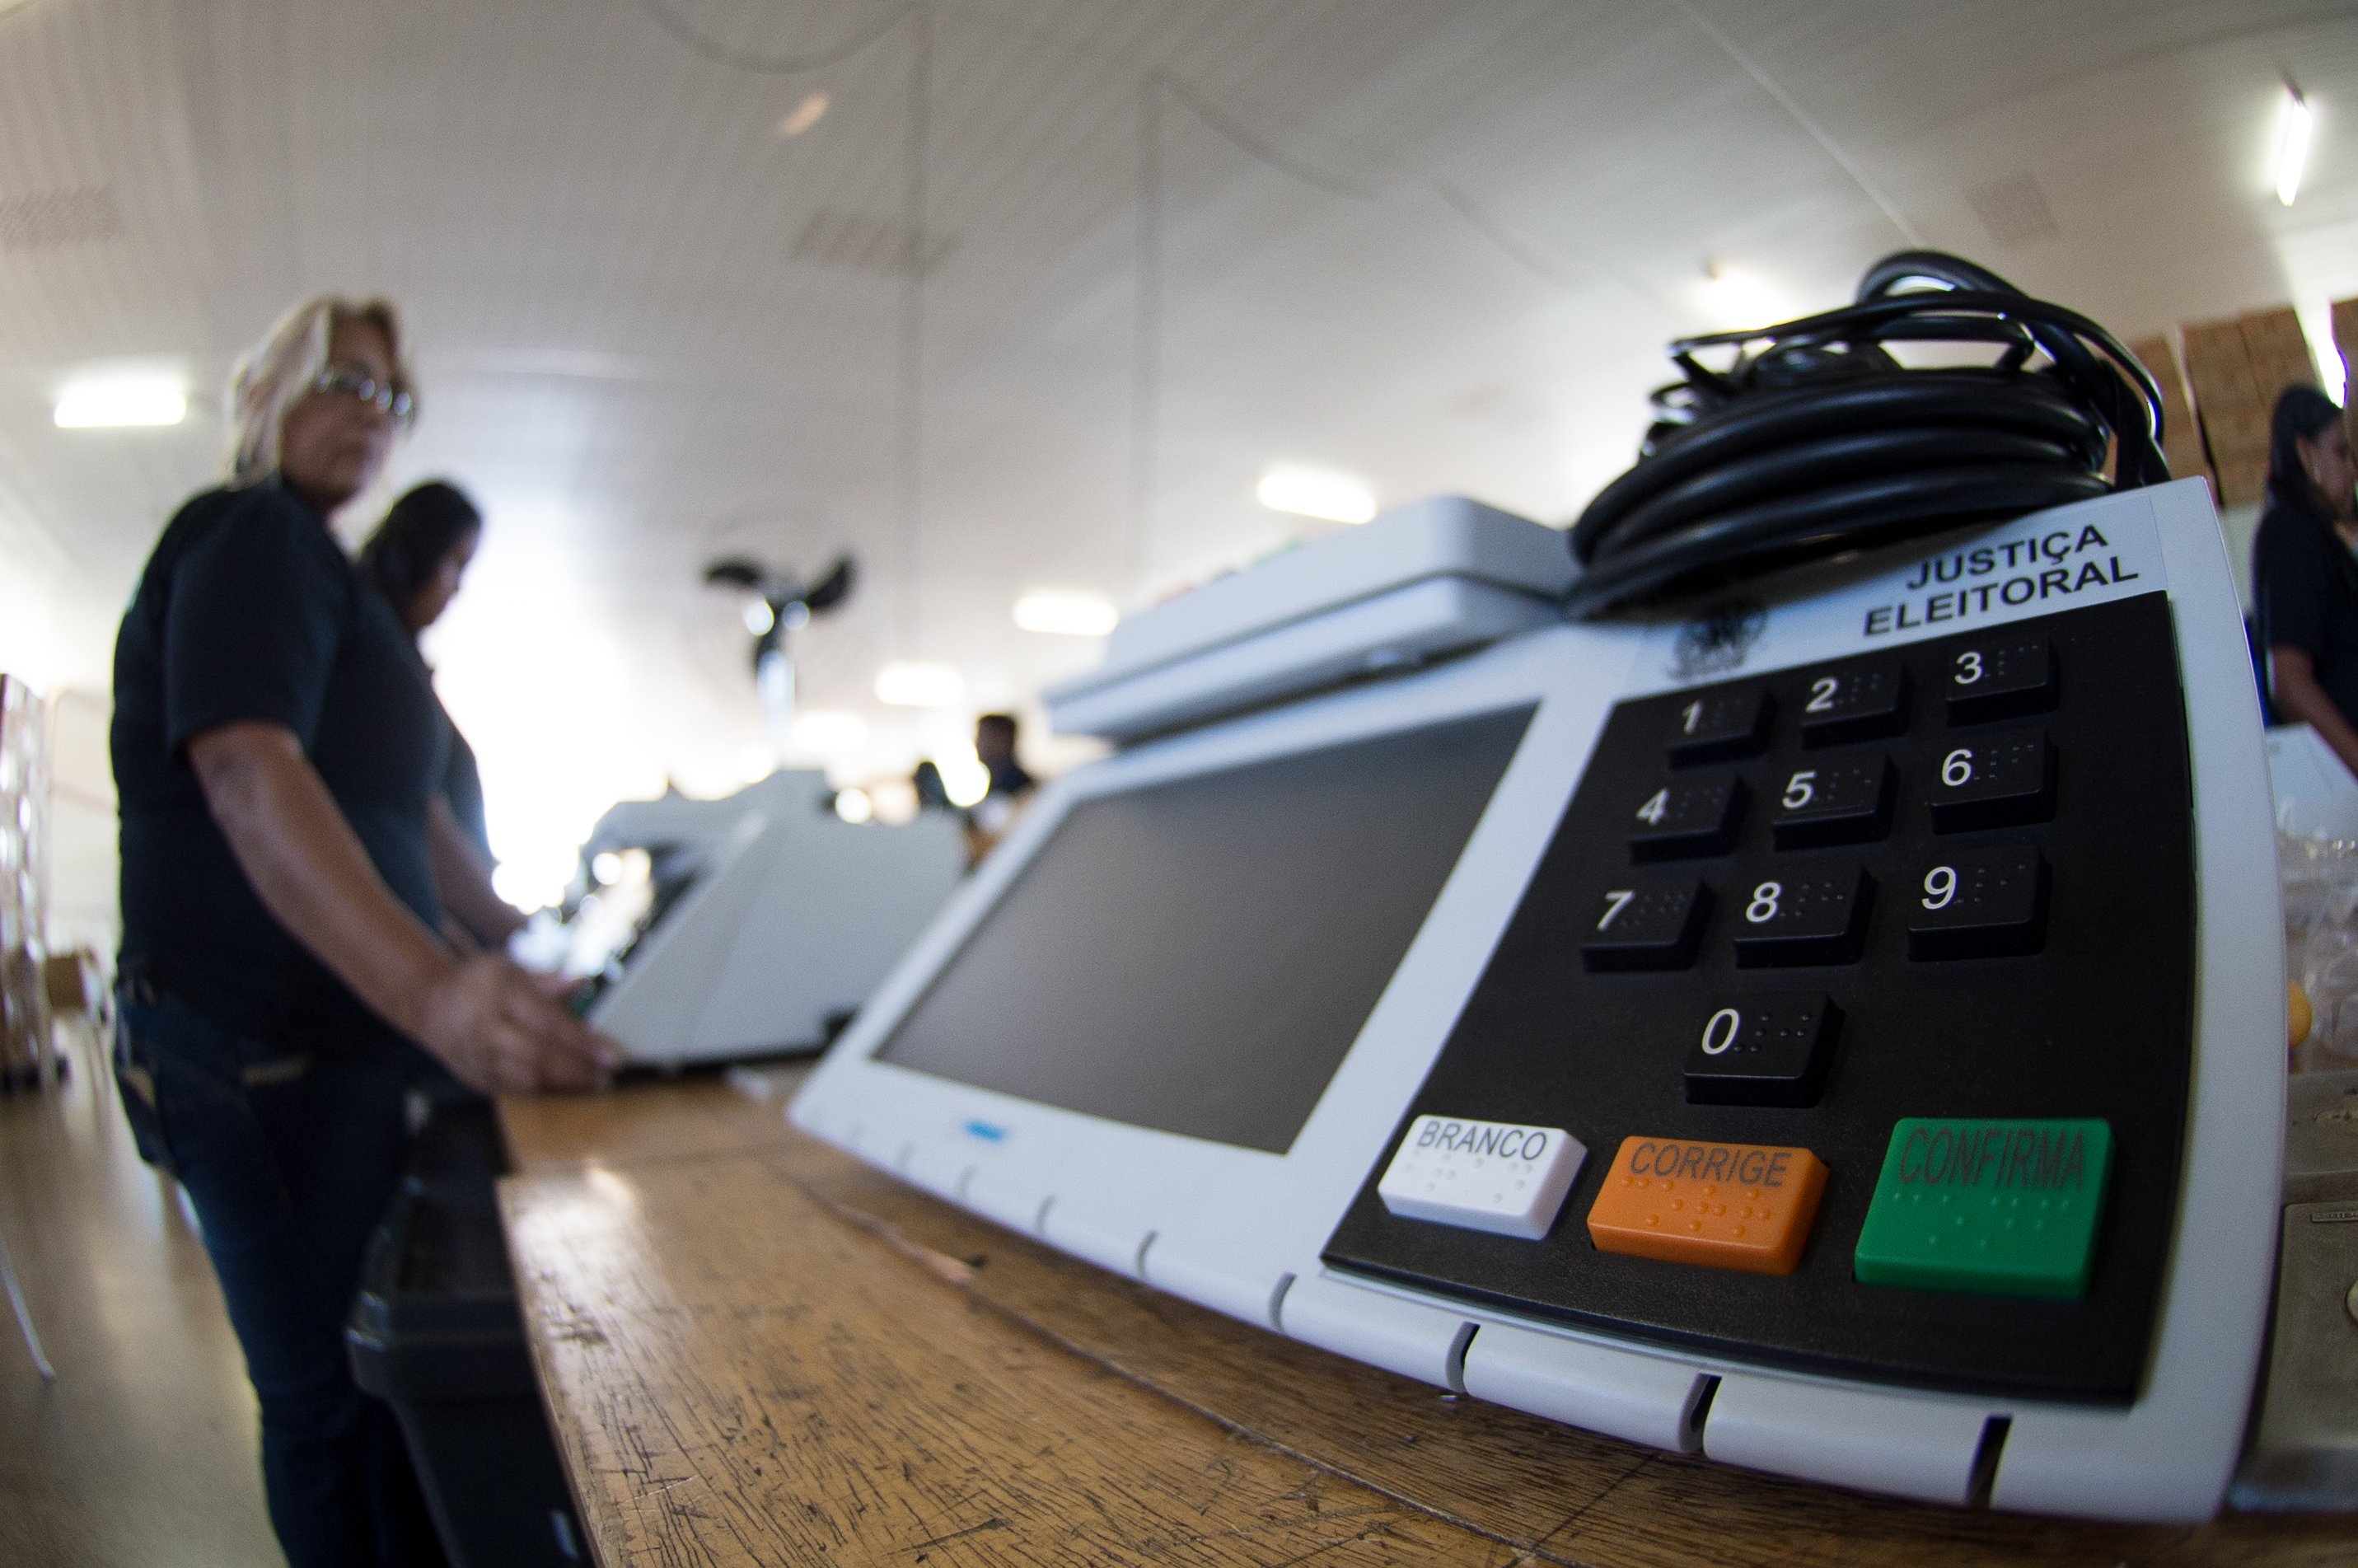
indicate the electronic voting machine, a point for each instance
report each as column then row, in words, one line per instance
column 1841, row 1034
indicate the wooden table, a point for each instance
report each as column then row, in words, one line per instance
column 757, row 1350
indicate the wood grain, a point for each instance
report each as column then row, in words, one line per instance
column 719, row 1336
column 684, row 1117
column 740, row 1375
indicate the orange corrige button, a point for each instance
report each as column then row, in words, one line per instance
column 1746, row 1206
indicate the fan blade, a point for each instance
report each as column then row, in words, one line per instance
column 737, row 572
column 832, row 589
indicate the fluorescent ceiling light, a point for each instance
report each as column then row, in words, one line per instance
column 1308, row 492
column 803, row 115
column 1065, row 614
column 919, row 685
column 827, row 733
column 105, row 401
column 2293, row 130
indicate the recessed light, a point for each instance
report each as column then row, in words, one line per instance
column 1065, row 614
column 803, row 115
column 101, row 402
column 919, row 685
column 2295, row 122
column 1310, row 492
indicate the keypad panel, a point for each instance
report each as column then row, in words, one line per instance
column 1973, row 912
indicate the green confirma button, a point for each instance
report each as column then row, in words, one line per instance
column 2003, row 1208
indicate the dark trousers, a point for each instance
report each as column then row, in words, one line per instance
column 289, row 1161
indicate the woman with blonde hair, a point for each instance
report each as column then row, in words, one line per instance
column 276, row 749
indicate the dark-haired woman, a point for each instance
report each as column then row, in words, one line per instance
column 416, row 558
column 2304, row 577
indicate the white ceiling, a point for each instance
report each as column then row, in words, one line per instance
column 1437, row 243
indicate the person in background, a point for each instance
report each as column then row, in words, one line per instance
column 2304, row 577
column 416, row 558
column 933, row 794
column 994, row 744
column 276, row 746
column 988, row 819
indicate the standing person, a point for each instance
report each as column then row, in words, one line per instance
column 418, row 558
column 2304, row 578
column 988, row 820
column 276, row 747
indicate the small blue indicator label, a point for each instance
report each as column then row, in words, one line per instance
column 984, row 1130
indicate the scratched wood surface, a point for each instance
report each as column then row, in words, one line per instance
column 695, row 1115
column 775, row 1354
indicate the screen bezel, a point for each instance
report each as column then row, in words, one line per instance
column 1226, row 1221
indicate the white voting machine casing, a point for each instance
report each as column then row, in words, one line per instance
column 1289, row 919
column 1421, row 581
column 791, row 919
column 2315, row 796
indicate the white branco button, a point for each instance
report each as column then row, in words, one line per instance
column 1485, row 1176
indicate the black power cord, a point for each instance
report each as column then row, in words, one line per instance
column 1817, row 442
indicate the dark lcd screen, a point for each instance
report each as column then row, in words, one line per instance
column 1197, row 957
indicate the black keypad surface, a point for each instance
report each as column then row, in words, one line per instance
column 1979, row 913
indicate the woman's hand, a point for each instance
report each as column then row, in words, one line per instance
column 504, row 1030
column 498, row 1027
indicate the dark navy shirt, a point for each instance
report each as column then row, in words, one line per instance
column 249, row 610
column 2305, row 596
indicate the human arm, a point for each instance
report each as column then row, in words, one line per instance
column 464, row 883
column 498, row 1028
column 2298, row 695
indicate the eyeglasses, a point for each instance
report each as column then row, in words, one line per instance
column 345, row 381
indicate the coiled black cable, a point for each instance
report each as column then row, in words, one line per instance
column 1817, row 443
